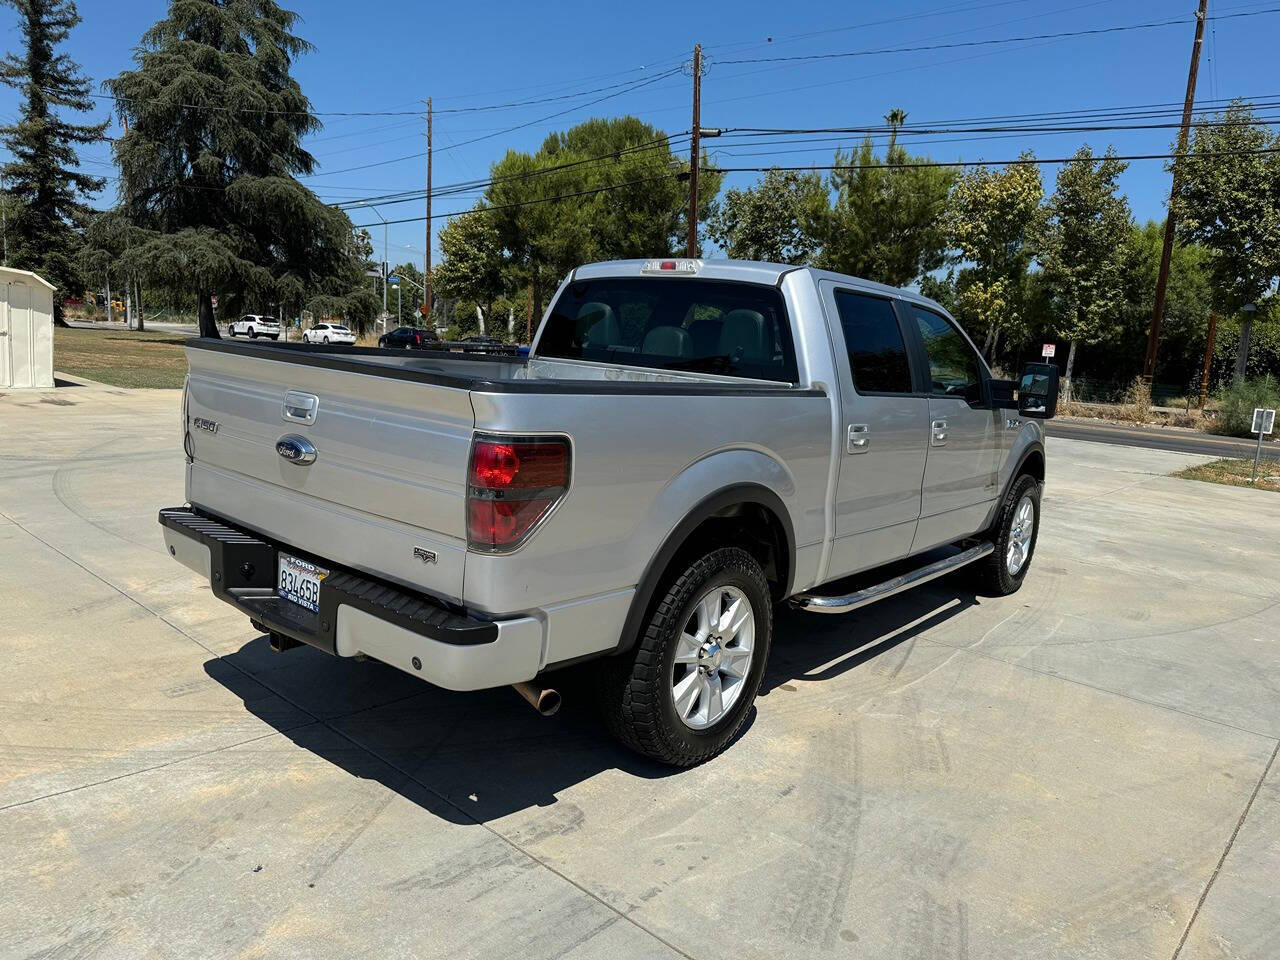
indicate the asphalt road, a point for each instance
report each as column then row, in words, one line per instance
column 1157, row 438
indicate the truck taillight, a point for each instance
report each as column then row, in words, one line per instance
column 512, row 483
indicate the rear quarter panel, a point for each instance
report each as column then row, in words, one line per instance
column 641, row 463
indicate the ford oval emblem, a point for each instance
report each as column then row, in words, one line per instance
column 296, row 449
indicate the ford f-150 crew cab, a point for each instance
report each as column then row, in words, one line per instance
column 688, row 444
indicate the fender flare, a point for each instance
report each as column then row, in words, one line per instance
column 1032, row 449
column 742, row 493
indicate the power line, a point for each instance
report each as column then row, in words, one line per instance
column 528, row 203
column 1019, row 161
column 920, row 15
column 551, row 116
column 1096, row 31
column 468, row 186
column 1013, row 128
column 498, row 133
column 540, row 100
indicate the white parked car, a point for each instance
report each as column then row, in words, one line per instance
column 255, row 325
column 329, row 333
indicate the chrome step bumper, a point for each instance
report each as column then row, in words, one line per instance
column 815, row 603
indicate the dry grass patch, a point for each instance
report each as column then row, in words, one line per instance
column 1236, row 473
column 121, row 358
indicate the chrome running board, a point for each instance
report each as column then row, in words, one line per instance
column 913, row 578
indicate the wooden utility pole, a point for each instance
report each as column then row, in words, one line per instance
column 694, row 158
column 1162, row 278
column 426, row 275
column 1208, row 356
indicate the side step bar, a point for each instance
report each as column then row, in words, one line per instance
column 913, row 578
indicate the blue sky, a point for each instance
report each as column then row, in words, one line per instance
column 391, row 55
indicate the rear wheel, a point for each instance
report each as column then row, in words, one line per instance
column 325, row 340
column 683, row 693
column 1014, row 535
column 253, row 334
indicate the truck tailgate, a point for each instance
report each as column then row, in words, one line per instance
column 389, row 473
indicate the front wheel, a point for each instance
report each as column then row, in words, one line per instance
column 1014, row 535
column 683, row 693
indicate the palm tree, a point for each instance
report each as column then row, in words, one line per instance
column 894, row 118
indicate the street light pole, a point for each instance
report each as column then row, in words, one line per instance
column 383, row 269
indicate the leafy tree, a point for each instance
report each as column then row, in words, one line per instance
column 1082, row 252
column 473, row 267
column 886, row 222
column 602, row 190
column 209, row 165
column 1228, row 200
column 776, row 220
column 43, row 185
column 1188, row 301
column 992, row 217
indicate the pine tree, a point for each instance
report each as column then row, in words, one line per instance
column 43, row 185
column 209, row 166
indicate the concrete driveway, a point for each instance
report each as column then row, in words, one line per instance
column 1085, row 769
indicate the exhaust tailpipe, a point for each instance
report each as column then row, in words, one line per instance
column 543, row 699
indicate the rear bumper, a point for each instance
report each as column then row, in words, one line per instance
column 358, row 615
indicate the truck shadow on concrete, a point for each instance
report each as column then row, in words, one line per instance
column 475, row 757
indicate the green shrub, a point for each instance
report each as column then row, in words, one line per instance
column 1237, row 401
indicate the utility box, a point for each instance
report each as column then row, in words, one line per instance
column 26, row 330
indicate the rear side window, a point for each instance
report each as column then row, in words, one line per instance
column 674, row 323
column 877, row 350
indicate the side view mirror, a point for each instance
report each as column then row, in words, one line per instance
column 1038, row 391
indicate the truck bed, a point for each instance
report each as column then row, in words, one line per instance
column 393, row 432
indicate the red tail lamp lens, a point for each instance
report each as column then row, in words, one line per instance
column 511, row 485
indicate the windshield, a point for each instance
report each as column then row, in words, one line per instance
column 673, row 323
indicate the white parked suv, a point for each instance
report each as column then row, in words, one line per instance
column 255, row 325
column 329, row 333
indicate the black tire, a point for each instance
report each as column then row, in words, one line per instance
column 324, row 340
column 992, row 573
column 635, row 689
column 253, row 334
column 231, row 330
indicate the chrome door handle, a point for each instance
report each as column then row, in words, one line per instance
column 938, row 433
column 859, row 438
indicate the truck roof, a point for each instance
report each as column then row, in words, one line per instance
column 751, row 271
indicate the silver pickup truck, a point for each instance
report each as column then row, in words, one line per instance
column 687, row 444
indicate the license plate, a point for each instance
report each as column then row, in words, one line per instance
column 299, row 581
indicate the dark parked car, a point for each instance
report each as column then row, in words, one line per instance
column 409, row 338
column 477, row 343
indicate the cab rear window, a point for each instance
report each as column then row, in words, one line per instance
column 673, row 323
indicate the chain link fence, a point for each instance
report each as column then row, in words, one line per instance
column 1183, row 396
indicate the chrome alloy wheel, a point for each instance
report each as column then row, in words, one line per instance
column 713, row 657
column 1021, row 531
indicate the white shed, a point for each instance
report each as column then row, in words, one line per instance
column 26, row 329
